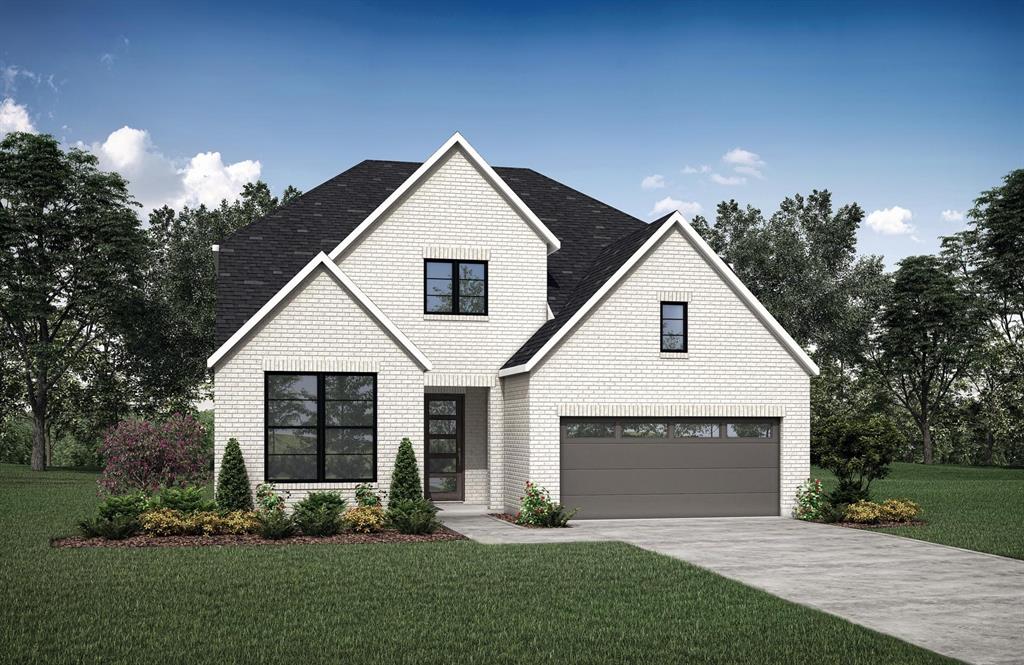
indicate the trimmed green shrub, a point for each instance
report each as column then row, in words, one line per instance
column 367, row 496
column 274, row 524
column 319, row 514
column 184, row 500
column 858, row 451
column 413, row 516
column 364, row 519
column 129, row 506
column 118, row 527
column 537, row 509
column 233, row 492
column 405, row 479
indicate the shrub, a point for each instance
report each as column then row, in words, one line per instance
column 405, row 478
column 858, row 451
column 275, row 524
column 863, row 512
column 126, row 505
column 537, row 509
column 319, row 514
column 141, row 456
column 184, row 500
column 267, row 498
column 169, row 522
column 900, row 510
column 811, row 501
column 113, row 528
column 233, row 491
column 367, row 496
column 364, row 519
column 413, row 516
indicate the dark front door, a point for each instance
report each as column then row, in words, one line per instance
column 444, row 447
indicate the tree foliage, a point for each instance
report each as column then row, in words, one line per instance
column 71, row 248
column 858, row 451
column 142, row 456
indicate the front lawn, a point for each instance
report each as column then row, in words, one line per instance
column 977, row 508
column 454, row 602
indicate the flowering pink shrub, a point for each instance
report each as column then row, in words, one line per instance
column 144, row 456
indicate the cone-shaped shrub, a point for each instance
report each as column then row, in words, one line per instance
column 405, row 479
column 233, row 492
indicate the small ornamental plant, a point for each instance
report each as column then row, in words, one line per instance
column 267, row 498
column 812, row 502
column 405, row 479
column 364, row 519
column 367, row 496
column 537, row 509
column 142, row 456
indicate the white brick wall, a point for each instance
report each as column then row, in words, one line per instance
column 317, row 329
column 613, row 361
column 455, row 213
column 517, row 439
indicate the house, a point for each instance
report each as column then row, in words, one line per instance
column 515, row 329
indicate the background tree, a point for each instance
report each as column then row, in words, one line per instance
column 928, row 336
column 71, row 248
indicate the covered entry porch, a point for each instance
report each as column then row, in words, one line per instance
column 458, row 444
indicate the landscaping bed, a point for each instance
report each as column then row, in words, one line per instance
column 74, row 542
column 881, row 525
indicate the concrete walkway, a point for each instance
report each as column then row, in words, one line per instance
column 958, row 603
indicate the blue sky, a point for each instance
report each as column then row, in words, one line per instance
column 904, row 108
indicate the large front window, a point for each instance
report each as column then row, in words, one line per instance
column 455, row 287
column 321, row 427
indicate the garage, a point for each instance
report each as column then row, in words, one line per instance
column 670, row 467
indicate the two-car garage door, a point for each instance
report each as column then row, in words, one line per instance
column 670, row 467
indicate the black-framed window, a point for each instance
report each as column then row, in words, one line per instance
column 320, row 427
column 455, row 287
column 673, row 327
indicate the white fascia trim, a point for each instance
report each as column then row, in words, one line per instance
column 456, row 140
column 319, row 260
column 675, row 221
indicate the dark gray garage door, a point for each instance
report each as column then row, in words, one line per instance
column 679, row 467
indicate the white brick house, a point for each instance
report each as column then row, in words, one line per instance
column 515, row 330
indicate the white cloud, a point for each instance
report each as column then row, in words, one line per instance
column 703, row 168
column 669, row 204
column 655, row 181
column 107, row 59
column 728, row 180
column 155, row 180
column 891, row 221
column 749, row 170
column 741, row 157
column 953, row 215
column 14, row 117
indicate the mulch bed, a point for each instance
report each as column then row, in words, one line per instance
column 510, row 518
column 442, row 534
column 880, row 525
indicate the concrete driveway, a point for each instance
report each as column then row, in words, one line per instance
column 958, row 603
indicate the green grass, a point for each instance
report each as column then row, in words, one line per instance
column 425, row 603
column 977, row 508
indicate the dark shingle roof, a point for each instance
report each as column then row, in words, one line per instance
column 257, row 260
column 604, row 265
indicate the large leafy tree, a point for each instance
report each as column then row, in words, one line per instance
column 71, row 248
column 170, row 345
column 929, row 334
column 803, row 265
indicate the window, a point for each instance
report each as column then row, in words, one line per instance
column 749, row 430
column 678, row 431
column 321, row 427
column 590, row 430
column 696, row 430
column 641, row 430
column 673, row 327
column 455, row 287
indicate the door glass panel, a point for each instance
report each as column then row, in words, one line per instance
column 442, row 407
column 645, row 430
column 442, row 465
column 696, row 431
column 442, row 484
column 442, row 446
column 442, row 427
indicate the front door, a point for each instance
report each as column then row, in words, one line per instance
column 444, row 447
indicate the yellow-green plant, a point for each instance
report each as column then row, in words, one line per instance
column 364, row 519
column 166, row 522
column 863, row 512
column 899, row 510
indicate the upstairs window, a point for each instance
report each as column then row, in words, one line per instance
column 455, row 287
column 673, row 327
